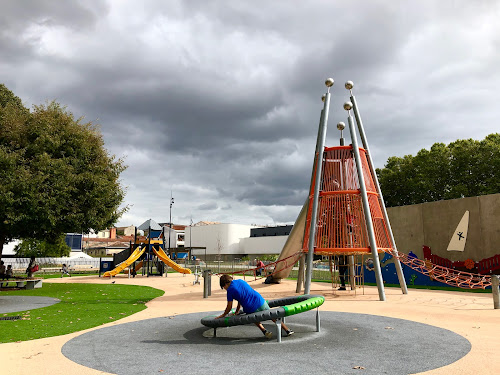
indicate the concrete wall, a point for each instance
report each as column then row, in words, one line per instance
column 215, row 237
column 262, row 245
column 433, row 224
column 129, row 231
column 103, row 233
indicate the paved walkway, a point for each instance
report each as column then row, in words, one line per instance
column 453, row 323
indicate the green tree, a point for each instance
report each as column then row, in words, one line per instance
column 56, row 176
column 464, row 168
column 31, row 247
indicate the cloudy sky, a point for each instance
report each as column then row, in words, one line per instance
column 219, row 101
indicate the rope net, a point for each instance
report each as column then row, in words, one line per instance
column 445, row 275
column 341, row 225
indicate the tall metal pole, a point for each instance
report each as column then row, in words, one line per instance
column 170, row 223
column 164, row 242
column 401, row 277
column 366, row 205
column 320, row 146
column 302, row 260
column 150, row 266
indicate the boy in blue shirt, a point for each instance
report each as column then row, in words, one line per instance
column 248, row 298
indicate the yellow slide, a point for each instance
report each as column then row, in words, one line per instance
column 169, row 262
column 131, row 259
column 138, row 266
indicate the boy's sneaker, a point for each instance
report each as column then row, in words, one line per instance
column 289, row 333
column 268, row 334
column 342, row 288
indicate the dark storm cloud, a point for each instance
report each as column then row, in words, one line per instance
column 20, row 21
column 208, row 206
column 219, row 102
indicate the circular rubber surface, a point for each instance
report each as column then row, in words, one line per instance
column 10, row 304
column 181, row 345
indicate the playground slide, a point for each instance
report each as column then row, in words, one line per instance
column 138, row 266
column 293, row 244
column 169, row 262
column 131, row 259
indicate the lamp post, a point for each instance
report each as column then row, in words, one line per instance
column 170, row 223
column 191, row 238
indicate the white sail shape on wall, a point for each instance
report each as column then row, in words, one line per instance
column 459, row 238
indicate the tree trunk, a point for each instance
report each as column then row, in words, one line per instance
column 2, row 242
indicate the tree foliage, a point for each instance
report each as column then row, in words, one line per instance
column 32, row 247
column 464, row 168
column 56, row 176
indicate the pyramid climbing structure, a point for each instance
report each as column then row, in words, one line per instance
column 341, row 226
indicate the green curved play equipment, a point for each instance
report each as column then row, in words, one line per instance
column 279, row 309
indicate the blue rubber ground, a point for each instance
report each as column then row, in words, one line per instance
column 181, row 345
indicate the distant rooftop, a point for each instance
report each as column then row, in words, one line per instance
column 281, row 230
column 201, row 223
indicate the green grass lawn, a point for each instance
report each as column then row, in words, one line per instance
column 82, row 306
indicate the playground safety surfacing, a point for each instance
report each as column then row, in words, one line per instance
column 346, row 344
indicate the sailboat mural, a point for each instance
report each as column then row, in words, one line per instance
column 459, row 238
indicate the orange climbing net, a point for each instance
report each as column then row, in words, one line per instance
column 341, row 225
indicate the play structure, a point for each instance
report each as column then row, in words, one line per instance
column 345, row 216
column 280, row 308
column 136, row 254
column 149, row 254
column 138, row 266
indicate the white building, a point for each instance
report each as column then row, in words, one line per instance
column 255, row 246
column 229, row 241
column 175, row 235
column 8, row 248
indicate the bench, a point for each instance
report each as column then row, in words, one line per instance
column 29, row 284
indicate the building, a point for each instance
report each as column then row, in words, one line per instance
column 231, row 241
column 107, row 233
column 105, row 247
column 175, row 236
column 75, row 243
column 125, row 231
column 265, row 241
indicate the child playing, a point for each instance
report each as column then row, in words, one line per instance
column 260, row 266
column 65, row 270
column 249, row 299
column 8, row 274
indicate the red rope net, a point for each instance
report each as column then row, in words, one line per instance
column 445, row 275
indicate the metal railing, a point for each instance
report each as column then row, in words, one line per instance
column 52, row 264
